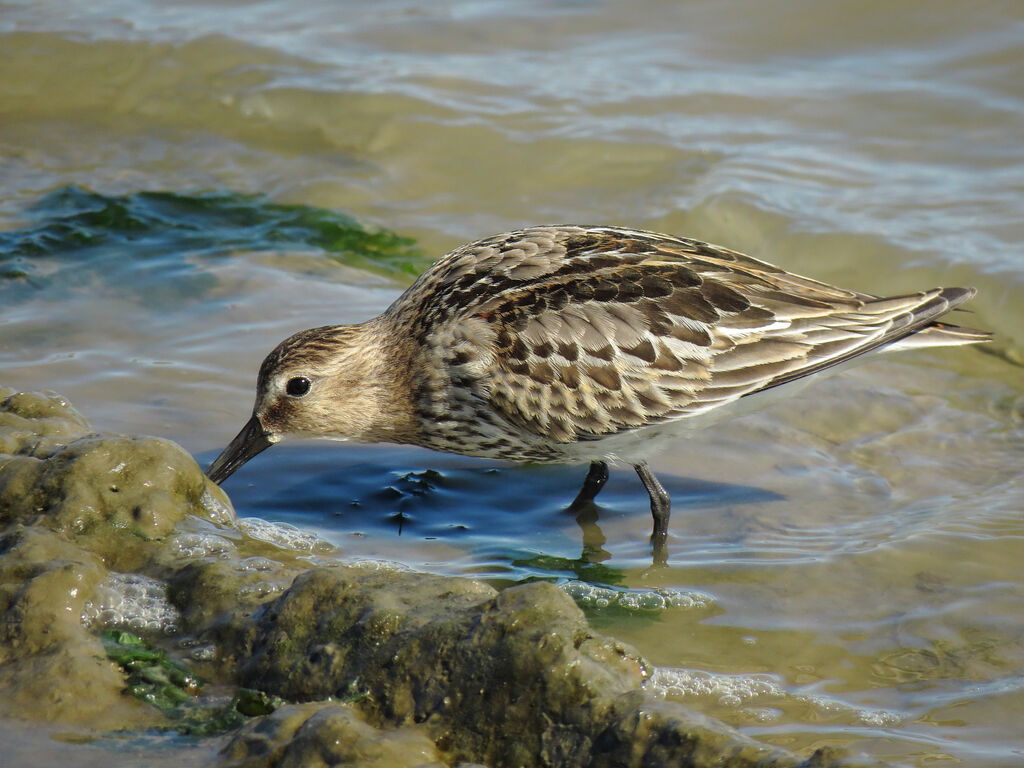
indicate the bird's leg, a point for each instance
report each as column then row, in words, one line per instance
column 660, row 508
column 597, row 476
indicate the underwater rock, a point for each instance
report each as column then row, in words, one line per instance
column 421, row 669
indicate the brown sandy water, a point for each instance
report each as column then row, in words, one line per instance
column 844, row 567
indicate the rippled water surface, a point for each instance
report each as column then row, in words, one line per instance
column 176, row 182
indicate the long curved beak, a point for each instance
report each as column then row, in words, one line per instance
column 253, row 439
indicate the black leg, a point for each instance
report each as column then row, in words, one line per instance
column 661, row 506
column 597, row 476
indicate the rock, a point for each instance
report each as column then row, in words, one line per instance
column 322, row 735
column 116, row 492
column 421, row 669
column 73, row 506
column 51, row 667
column 513, row 678
column 37, row 423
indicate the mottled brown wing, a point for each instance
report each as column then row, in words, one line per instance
column 576, row 333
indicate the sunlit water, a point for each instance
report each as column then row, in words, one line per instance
column 844, row 568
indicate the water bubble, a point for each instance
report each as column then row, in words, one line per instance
column 192, row 546
column 132, row 601
column 657, row 599
column 761, row 697
column 257, row 564
column 206, row 652
column 220, row 511
column 283, row 535
column 260, row 589
column 385, row 566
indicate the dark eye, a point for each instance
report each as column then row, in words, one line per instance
column 297, row 387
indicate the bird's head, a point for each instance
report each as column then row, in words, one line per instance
column 326, row 382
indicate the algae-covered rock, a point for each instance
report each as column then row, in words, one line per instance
column 515, row 678
column 37, row 423
column 106, row 530
column 211, row 592
column 115, row 491
column 73, row 506
column 51, row 667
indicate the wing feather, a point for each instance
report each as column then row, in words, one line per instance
column 592, row 331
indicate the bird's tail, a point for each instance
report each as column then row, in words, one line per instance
column 940, row 334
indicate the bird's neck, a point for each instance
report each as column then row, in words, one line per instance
column 387, row 396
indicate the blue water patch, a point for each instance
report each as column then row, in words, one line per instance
column 509, row 522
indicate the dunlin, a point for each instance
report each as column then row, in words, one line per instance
column 570, row 344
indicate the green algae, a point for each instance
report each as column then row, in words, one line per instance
column 167, row 684
column 76, row 239
column 206, row 718
column 152, row 676
column 580, row 567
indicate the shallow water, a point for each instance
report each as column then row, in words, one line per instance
column 844, row 566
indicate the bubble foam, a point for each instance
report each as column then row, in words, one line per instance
column 728, row 690
column 257, row 565
column 283, row 535
column 192, row 546
column 657, row 599
column 131, row 601
column 384, row 566
column 762, row 696
column 206, row 652
column 220, row 510
column 260, row 590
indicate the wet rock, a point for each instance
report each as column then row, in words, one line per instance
column 37, row 423
column 73, row 506
column 114, row 492
column 212, row 593
column 435, row 670
column 51, row 668
column 512, row 678
column 322, row 735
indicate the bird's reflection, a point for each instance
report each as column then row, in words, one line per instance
column 587, row 514
column 593, row 537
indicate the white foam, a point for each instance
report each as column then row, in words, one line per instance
column 727, row 690
column 283, row 535
column 131, row 601
column 368, row 564
column 657, row 599
column 192, row 546
column 221, row 512
column 257, row 564
column 761, row 696
column 260, row 589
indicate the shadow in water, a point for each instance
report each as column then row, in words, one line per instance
column 502, row 518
